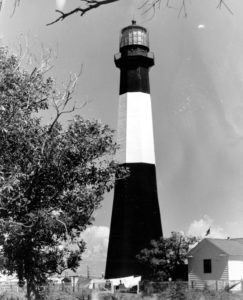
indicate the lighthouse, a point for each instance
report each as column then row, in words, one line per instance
column 135, row 217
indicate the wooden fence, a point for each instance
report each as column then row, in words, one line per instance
column 230, row 285
column 10, row 291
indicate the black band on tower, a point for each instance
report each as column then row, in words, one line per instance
column 135, row 220
column 134, row 64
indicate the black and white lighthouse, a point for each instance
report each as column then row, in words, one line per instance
column 135, row 215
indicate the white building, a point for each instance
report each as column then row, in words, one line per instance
column 216, row 263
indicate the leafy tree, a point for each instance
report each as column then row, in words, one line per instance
column 166, row 256
column 51, row 178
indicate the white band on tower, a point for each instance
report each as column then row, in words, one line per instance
column 135, row 129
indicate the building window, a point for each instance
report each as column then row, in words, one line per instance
column 207, row 266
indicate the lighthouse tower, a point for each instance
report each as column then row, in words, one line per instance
column 135, row 215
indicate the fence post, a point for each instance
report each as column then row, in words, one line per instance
column 216, row 285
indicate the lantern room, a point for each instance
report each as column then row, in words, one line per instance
column 134, row 35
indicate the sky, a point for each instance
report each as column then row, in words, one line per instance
column 197, row 101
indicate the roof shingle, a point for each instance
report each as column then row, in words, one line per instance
column 232, row 247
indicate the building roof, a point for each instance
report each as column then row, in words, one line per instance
column 231, row 247
column 240, row 240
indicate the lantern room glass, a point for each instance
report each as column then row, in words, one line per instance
column 134, row 35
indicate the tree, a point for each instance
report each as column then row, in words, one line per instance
column 146, row 6
column 180, row 5
column 166, row 256
column 51, row 178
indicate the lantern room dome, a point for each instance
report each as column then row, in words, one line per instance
column 134, row 35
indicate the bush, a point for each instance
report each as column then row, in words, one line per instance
column 180, row 291
column 59, row 295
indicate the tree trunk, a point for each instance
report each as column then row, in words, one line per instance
column 28, row 289
column 32, row 290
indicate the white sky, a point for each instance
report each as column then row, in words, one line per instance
column 196, row 90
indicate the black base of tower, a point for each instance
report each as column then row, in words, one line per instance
column 135, row 221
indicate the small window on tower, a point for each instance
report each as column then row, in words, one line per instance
column 207, row 266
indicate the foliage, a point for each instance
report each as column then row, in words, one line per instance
column 165, row 256
column 51, row 178
column 177, row 290
column 184, row 293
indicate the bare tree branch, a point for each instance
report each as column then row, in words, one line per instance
column 90, row 4
column 16, row 3
column 183, row 9
column 60, row 102
column 222, row 3
column 152, row 5
column 61, row 222
column 146, row 6
column 14, row 223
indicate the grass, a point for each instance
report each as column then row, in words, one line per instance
column 170, row 292
column 174, row 292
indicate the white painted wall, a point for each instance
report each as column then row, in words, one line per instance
column 205, row 250
column 235, row 269
column 135, row 129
